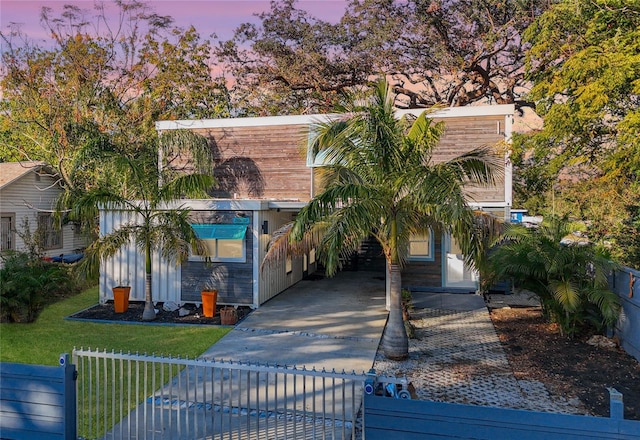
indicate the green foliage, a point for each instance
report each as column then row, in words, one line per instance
column 27, row 284
column 584, row 63
column 626, row 237
column 98, row 85
column 569, row 279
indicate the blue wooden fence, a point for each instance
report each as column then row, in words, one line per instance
column 38, row 402
column 387, row 418
column 626, row 283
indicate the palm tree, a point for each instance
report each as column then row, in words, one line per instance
column 380, row 180
column 152, row 192
column 569, row 278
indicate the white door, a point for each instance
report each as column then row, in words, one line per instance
column 456, row 273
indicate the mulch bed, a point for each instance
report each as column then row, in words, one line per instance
column 105, row 312
column 570, row 367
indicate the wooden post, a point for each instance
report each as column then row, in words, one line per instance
column 69, row 408
column 616, row 405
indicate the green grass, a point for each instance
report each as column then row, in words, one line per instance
column 43, row 341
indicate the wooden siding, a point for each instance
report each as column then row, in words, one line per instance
column 24, row 198
column 274, row 277
column 386, row 418
column 261, row 162
column 38, row 402
column 425, row 273
column 234, row 281
column 463, row 134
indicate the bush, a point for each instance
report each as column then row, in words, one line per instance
column 569, row 279
column 28, row 284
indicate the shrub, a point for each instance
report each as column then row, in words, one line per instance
column 569, row 279
column 27, row 284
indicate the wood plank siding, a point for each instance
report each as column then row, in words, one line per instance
column 462, row 135
column 32, row 193
column 234, row 281
column 425, row 273
column 260, row 162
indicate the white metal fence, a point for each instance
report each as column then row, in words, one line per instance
column 131, row 396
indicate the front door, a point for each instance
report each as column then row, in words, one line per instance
column 456, row 273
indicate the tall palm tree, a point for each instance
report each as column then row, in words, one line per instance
column 569, row 278
column 380, row 179
column 152, row 192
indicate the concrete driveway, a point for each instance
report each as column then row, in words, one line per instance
column 332, row 323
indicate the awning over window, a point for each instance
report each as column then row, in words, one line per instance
column 221, row 232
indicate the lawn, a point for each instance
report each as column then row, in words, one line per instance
column 43, row 341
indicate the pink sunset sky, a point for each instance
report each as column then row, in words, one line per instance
column 208, row 16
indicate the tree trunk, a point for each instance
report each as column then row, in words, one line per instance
column 395, row 343
column 149, row 313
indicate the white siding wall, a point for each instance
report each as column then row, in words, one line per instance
column 128, row 267
column 273, row 278
column 24, row 198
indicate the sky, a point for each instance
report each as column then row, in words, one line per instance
column 208, row 16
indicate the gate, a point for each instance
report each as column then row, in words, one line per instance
column 124, row 396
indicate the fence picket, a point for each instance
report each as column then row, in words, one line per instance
column 164, row 397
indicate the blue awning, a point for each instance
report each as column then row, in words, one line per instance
column 221, row 232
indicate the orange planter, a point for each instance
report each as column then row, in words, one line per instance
column 121, row 298
column 209, row 299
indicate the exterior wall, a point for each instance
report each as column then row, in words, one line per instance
column 127, row 266
column 234, row 281
column 238, row 283
column 261, row 162
column 462, row 135
column 24, row 198
column 274, row 277
column 265, row 159
column 425, row 273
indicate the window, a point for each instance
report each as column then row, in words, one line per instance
column 7, row 234
column 421, row 246
column 223, row 242
column 50, row 234
column 289, row 264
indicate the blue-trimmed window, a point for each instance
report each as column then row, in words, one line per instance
column 224, row 242
column 421, row 247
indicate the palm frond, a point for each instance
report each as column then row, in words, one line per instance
column 566, row 293
column 282, row 244
column 607, row 302
column 190, row 185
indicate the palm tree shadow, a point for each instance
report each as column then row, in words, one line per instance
column 238, row 177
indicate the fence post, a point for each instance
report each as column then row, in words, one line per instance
column 69, row 408
column 616, row 405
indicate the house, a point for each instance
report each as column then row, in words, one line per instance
column 266, row 173
column 28, row 192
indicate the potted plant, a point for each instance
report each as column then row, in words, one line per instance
column 209, row 296
column 228, row 315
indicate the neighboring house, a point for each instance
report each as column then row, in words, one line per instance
column 265, row 174
column 28, row 191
